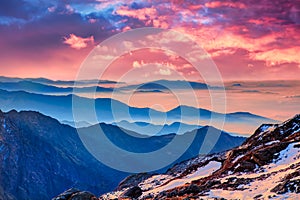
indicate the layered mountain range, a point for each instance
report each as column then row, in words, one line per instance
column 40, row 157
column 110, row 111
column 59, row 98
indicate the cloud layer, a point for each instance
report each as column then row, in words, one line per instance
column 246, row 39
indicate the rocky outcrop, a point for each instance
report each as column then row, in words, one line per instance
column 290, row 183
column 75, row 194
column 132, row 193
column 134, row 179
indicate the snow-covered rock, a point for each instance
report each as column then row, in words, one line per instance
column 265, row 166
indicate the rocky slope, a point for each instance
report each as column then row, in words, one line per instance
column 265, row 166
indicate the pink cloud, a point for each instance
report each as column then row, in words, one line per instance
column 265, row 41
column 216, row 4
column 278, row 56
column 141, row 14
column 52, row 9
column 77, row 42
column 126, row 28
column 273, row 48
column 92, row 21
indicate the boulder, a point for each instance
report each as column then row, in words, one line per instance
column 133, row 192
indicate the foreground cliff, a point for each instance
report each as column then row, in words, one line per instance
column 266, row 165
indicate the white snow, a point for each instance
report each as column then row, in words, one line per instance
column 265, row 127
column 272, row 142
column 199, row 173
column 154, row 181
column 286, row 158
column 257, row 187
column 204, row 171
column 296, row 128
column 112, row 195
column 236, row 159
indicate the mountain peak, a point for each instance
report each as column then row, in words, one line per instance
column 275, row 132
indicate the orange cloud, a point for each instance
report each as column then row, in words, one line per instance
column 216, row 4
column 278, row 56
column 77, row 42
column 264, row 20
column 164, row 72
column 141, row 14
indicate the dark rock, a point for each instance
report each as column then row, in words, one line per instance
column 133, row 192
column 132, row 180
column 245, row 166
column 263, row 156
column 193, row 189
column 234, row 183
column 175, row 193
column 67, row 194
column 212, row 183
column 83, row 196
column 75, row 194
column 149, row 196
column 287, row 186
column 258, row 196
column 297, row 146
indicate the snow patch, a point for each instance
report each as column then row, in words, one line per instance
column 237, row 158
column 265, row 127
column 255, row 188
column 204, row 171
column 200, row 173
column 272, row 142
column 154, row 181
column 288, row 156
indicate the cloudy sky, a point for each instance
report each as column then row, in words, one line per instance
column 247, row 39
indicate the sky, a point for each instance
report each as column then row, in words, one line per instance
column 247, row 40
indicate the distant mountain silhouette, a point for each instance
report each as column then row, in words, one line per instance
column 188, row 111
column 29, row 86
column 40, row 158
column 79, row 124
column 152, row 129
column 60, row 107
column 57, row 82
column 165, row 85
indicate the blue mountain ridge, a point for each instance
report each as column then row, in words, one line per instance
column 60, row 107
column 40, row 157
